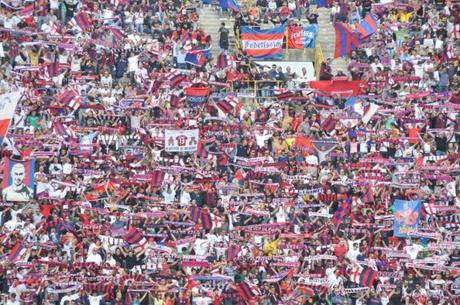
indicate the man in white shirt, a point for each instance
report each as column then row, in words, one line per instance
column 69, row 297
column 95, row 299
column 12, row 300
column 94, row 257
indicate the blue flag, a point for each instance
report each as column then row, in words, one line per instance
column 407, row 216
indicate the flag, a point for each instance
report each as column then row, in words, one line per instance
column 66, row 96
column 158, row 177
column 26, row 11
column 368, row 277
column 209, row 199
column 228, row 104
column 54, row 30
column 175, row 77
column 17, row 253
column 53, row 69
column 368, row 195
column 233, row 5
column 133, row 236
column 247, row 292
column 266, row 43
column 74, row 104
column 232, row 252
column 82, row 20
column 63, row 130
column 369, row 111
column 225, row 60
column 117, row 33
column 8, row 103
column 368, row 26
column 206, row 220
column 216, row 221
column 340, row 213
column 328, row 124
column 300, row 37
column 196, row 58
column 196, row 95
column 195, row 213
column 407, row 216
column 345, row 40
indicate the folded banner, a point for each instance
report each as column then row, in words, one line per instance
column 181, row 140
column 8, row 102
column 18, row 180
column 300, row 37
column 406, row 217
column 267, row 43
column 343, row 88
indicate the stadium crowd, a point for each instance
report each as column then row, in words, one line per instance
column 289, row 195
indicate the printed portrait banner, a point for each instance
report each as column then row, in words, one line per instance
column 181, row 140
column 8, row 102
column 18, row 180
column 267, row 43
column 407, row 216
column 300, row 37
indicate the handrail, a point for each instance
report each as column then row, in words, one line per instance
column 255, row 87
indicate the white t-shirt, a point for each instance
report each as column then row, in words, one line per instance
column 94, row 300
column 133, row 63
column 75, row 65
column 54, row 4
column 72, row 297
column 94, row 258
column 413, row 250
column 201, row 246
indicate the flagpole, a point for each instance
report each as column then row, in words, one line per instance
column 286, row 34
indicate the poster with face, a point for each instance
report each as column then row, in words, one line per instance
column 18, row 180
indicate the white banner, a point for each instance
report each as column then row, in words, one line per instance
column 181, row 140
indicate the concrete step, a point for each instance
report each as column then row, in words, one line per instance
column 326, row 38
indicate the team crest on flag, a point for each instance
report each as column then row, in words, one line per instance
column 300, row 37
column 18, row 180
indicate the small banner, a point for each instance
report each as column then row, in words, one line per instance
column 196, row 96
column 181, row 140
column 300, row 37
column 18, row 180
